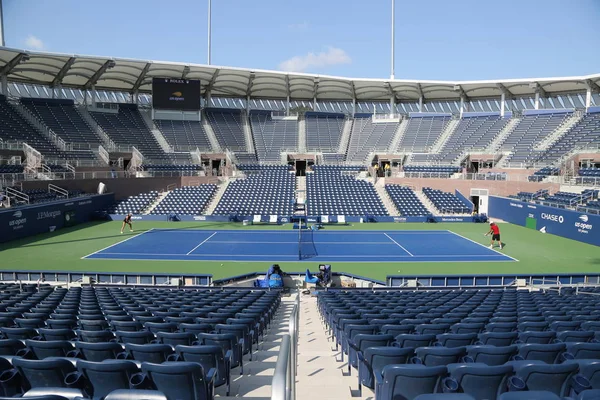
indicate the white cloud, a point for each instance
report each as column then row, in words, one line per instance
column 302, row 26
column 34, row 43
column 332, row 56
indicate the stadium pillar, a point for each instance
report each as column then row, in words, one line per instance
column 134, row 97
column 536, row 104
column 502, row 101
column 353, row 106
column 4, row 83
column 287, row 105
column 392, row 104
column 315, row 103
column 421, row 104
column 93, row 94
column 462, row 105
column 247, row 105
column 588, row 97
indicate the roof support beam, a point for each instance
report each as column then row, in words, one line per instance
column 315, row 89
column 140, row 79
column 421, row 97
column 186, row 71
column 250, row 84
column 96, row 77
column 63, row 72
column 289, row 94
column 592, row 85
column 9, row 66
column 507, row 93
column 209, row 87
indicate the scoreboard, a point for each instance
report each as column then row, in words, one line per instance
column 176, row 94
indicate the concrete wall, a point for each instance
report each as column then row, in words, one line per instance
column 121, row 187
column 498, row 188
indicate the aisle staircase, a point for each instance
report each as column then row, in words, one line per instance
column 258, row 374
column 427, row 203
column 152, row 206
column 320, row 375
column 217, row 197
column 385, row 198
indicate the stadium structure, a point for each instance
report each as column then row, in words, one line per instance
column 373, row 195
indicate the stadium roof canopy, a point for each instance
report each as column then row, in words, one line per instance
column 127, row 75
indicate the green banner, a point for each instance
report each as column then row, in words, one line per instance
column 531, row 223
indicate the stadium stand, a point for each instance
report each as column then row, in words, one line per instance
column 406, row 201
column 13, row 127
column 323, row 132
column 446, row 202
column 530, row 131
column 184, row 133
column 227, row 125
column 472, row 133
column 134, row 204
column 108, row 365
column 266, row 190
column 330, row 192
column 272, row 136
column 435, row 171
column 585, row 133
column 11, row 169
column 543, row 173
column 422, row 132
column 127, row 128
column 368, row 136
column 187, row 200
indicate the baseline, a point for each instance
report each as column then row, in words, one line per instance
column 122, row 241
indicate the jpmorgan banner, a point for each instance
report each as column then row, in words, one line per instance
column 16, row 223
column 557, row 221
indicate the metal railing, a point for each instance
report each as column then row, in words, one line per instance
column 283, row 385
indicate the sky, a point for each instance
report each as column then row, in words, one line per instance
column 435, row 39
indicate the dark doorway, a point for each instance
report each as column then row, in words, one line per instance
column 475, row 201
column 300, row 167
column 216, row 165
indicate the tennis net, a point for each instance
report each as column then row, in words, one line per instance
column 306, row 244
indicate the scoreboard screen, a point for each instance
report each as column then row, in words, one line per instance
column 176, row 94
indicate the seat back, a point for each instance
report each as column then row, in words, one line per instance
column 45, row 349
column 108, row 375
column 481, row 381
column 43, row 373
column 207, row 356
column 491, row 355
column 409, row 381
column 437, row 355
column 548, row 353
column 98, row 351
column 553, row 378
column 152, row 353
column 178, row 380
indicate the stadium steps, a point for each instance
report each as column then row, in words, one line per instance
column 162, row 141
column 560, row 131
column 345, row 138
column 248, row 137
column 258, row 373
column 494, row 147
column 302, row 135
column 389, row 205
column 210, row 134
column 107, row 142
column 152, row 206
column 446, row 134
column 301, row 183
column 427, row 203
column 221, row 188
column 320, row 375
column 398, row 135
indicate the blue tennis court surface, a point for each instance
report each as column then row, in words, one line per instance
column 279, row 246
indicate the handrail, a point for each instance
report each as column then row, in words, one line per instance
column 283, row 385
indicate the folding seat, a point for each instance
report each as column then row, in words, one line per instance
column 244, row 334
column 19, row 333
column 49, row 374
column 475, row 320
column 490, row 355
column 181, row 380
column 33, row 323
column 360, row 342
column 98, row 351
column 414, row 340
column 438, row 355
column 407, row 381
column 209, row 357
column 590, row 370
column 94, row 336
column 445, row 396
column 456, row 339
column 548, row 353
column 156, row 327
column 591, row 326
column 478, row 380
column 226, row 341
column 467, row 327
column 529, row 395
column 44, row 349
column 104, row 377
column 436, row 329
column 195, row 328
column 350, row 331
column 61, row 323
column 145, row 319
column 574, row 336
column 374, row 359
column 154, row 352
column 140, row 337
column 501, row 327
column 211, row 321
column 396, row 330
column 126, row 326
column 537, row 337
column 560, row 326
column 580, row 351
column 497, row 338
column 93, row 325
column 10, row 347
column 553, row 378
column 176, row 338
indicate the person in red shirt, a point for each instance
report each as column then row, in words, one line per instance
column 495, row 232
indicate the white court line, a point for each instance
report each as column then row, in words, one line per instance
column 271, row 259
column 294, row 242
column 113, row 245
column 330, row 232
column 294, row 256
column 483, row 245
column 204, row 241
column 399, row 245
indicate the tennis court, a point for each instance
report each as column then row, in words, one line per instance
column 319, row 246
